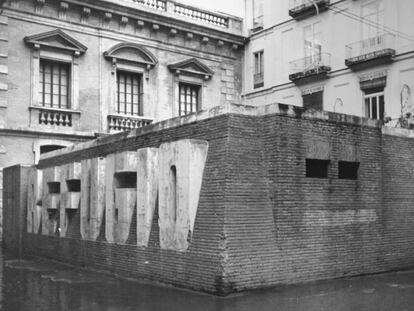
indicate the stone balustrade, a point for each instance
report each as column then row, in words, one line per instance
column 155, row 4
column 201, row 16
column 53, row 116
column 196, row 14
column 126, row 123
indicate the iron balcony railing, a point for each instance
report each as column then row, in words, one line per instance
column 297, row 8
column 257, row 23
column 374, row 47
column 258, row 79
column 311, row 65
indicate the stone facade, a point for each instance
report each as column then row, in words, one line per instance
column 162, row 44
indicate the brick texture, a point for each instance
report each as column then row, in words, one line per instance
column 260, row 220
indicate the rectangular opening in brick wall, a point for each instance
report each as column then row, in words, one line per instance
column 316, row 168
column 54, row 187
column 74, row 185
column 348, row 170
column 125, row 180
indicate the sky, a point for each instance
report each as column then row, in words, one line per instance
column 233, row 7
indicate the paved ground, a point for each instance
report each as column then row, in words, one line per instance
column 36, row 285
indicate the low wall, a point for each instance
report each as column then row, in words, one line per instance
column 263, row 218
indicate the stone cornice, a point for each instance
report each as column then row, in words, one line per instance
column 129, row 12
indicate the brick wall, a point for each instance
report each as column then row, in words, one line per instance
column 398, row 204
column 260, row 220
column 283, row 227
column 200, row 267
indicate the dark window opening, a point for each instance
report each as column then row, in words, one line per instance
column 54, row 84
column 313, row 101
column 54, row 187
column 49, row 148
column 116, row 214
column 374, row 103
column 348, row 170
column 188, row 99
column 74, row 185
column 125, row 180
column 258, row 77
column 174, row 196
column 129, row 93
column 317, row 168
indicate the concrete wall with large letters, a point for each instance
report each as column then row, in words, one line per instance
column 255, row 217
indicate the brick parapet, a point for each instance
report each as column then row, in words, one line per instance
column 226, row 109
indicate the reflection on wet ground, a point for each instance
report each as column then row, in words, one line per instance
column 40, row 285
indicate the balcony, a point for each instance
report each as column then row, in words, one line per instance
column 53, row 117
column 189, row 12
column 370, row 52
column 258, row 80
column 153, row 4
column 310, row 69
column 300, row 9
column 119, row 123
column 257, row 24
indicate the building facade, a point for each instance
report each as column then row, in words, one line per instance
column 353, row 57
column 70, row 71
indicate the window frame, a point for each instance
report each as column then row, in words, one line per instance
column 140, row 95
column 258, row 69
column 193, row 87
column 367, row 30
column 370, row 96
column 41, row 99
column 311, row 44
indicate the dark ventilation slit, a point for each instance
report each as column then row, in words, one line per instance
column 174, row 197
column 54, row 187
column 316, row 168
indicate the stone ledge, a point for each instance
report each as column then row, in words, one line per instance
column 399, row 132
column 236, row 109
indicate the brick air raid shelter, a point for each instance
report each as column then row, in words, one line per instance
column 229, row 199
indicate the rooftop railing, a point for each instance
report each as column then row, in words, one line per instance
column 196, row 14
column 154, row 4
column 371, row 48
column 311, row 65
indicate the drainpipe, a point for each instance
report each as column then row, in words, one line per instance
column 315, row 5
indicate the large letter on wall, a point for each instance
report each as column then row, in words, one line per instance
column 121, row 195
column 181, row 166
column 50, row 200
column 147, row 191
column 34, row 201
column 70, row 184
column 92, row 197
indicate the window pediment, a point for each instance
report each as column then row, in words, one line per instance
column 192, row 66
column 133, row 53
column 56, row 39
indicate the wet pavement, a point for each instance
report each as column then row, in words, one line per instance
column 29, row 285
